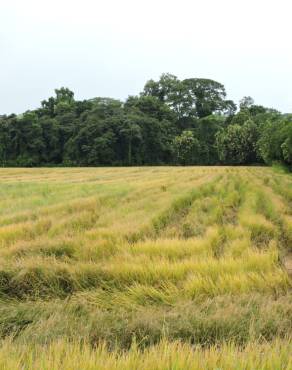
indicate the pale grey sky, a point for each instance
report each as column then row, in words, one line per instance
column 110, row 48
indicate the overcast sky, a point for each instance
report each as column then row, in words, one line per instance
column 111, row 47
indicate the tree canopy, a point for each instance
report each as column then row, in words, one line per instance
column 171, row 121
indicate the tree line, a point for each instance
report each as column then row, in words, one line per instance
column 172, row 121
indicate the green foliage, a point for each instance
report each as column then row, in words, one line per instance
column 172, row 121
column 195, row 97
column 230, row 145
column 186, row 148
column 275, row 141
column 238, row 143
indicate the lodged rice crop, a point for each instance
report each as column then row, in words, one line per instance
column 153, row 267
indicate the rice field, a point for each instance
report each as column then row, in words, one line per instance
column 145, row 268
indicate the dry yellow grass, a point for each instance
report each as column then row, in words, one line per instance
column 139, row 239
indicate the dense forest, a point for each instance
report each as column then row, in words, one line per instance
column 187, row 122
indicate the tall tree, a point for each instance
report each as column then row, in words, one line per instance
column 186, row 148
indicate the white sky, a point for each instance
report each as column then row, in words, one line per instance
column 110, row 48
